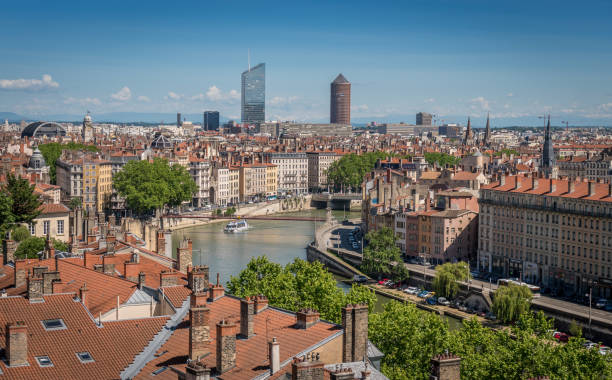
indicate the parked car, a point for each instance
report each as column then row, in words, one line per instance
column 382, row 282
column 390, row 284
column 359, row 278
column 431, row 300
column 411, row 290
column 443, row 301
column 605, row 350
column 560, row 336
column 608, row 307
column 601, row 303
column 588, row 345
column 423, row 294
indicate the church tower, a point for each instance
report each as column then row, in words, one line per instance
column 87, row 131
column 487, row 136
column 549, row 163
column 469, row 134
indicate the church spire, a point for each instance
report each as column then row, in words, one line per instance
column 548, row 163
column 487, row 137
column 469, row 135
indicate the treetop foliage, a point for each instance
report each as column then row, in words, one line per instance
column 447, row 275
column 511, row 301
column 52, row 151
column 381, row 252
column 350, row 170
column 442, row 159
column 148, row 186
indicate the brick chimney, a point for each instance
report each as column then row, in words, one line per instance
column 20, row 273
column 199, row 332
column 306, row 318
column 261, row 303
column 107, row 265
column 342, row 374
column 226, row 346
column 35, row 288
column 274, row 355
column 534, row 183
column 10, row 246
column 16, row 350
column 48, row 279
column 167, row 278
column 83, row 294
column 161, row 243
column 197, row 371
column 355, row 337
column 184, row 255
column 141, row 280
column 308, row 367
column 216, row 291
column 502, row 179
column 572, row 186
column 247, row 311
column 197, row 278
column 131, row 270
column 591, row 188
column 445, row 367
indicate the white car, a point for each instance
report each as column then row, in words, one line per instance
column 411, row 290
column 443, row 301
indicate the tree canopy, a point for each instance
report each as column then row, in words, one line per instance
column 349, row 170
column 148, row 186
column 6, row 214
column 381, row 252
column 409, row 337
column 300, row 284
column 25, row 202
column 29, row 248
column 447, row 276
column 442, row 159
column 52, row 151
column 511, row 301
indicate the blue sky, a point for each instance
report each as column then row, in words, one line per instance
column 515, row 59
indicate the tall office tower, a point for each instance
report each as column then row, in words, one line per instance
column 340, row 101
column 549, row 163
column 211, row 121
column 423, row 118
column 179, row 122
column 253, row 96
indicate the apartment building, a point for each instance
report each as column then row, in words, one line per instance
column 292, row 172
column 552, row 232
column 318, row 164
column 199, row 168
column 85, row 176
column 252, row 182
column 271, row 180
column 52, row 221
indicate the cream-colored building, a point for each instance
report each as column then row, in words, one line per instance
column 271, row 180
column 53, row 221
column 318, row 165
column 252, row 182
column 556, row 233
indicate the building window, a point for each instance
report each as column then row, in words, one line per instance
column 54, row 324
column 46, row 225
column 85, row 357
column 60, row 227
column 32, row 229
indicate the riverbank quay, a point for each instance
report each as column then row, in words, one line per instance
column 595, row 323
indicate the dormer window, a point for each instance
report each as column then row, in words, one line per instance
column 54, row 324
column 44, row 361
column 85, row 357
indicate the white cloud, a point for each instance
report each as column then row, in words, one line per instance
column 197, row 97
column 281, row 100
column 83, row 102
column 480, row 102
column 173, row 95
column 123, row 94
column 29, row 84
column 214, row 94
column 430, row 100
column 362, row 107
column 510, row 94
column 143, row 98
column 606, row 107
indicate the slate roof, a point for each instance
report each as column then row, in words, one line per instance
column 340, row 79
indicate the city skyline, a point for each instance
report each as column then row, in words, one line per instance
column 516, row 62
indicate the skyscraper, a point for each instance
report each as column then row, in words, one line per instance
column 253, row 95
column 179, row 121
column 340, row 101
column 211, row 121
column 423, row 118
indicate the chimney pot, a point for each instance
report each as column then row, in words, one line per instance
column 274, row 354
column 226, row 346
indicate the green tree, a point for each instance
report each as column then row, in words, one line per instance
column 381, row 252
column 299, row 284
column 510, row 302
column 30, row 247
column 348, row 171
column 575, row 329
column 149, row 186
column 447, row 277
column 25, row 203
column 442, row 159
column 20, row 233
column 6, row 215
column 75, row 202
column 52, row 151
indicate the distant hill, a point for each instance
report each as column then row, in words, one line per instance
column 12, row 117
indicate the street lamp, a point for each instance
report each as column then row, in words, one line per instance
column 591, row 283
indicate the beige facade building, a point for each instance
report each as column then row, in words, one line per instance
column 87, row 177
column 318, row 164
column 553, row 232
column 53, row 221
column 252, row 182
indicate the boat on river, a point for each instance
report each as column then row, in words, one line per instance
column 236, row 226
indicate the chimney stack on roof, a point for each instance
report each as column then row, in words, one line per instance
column 247, row 312
column 199, row 332
column 572, row 186
column 16, row 349
column 446, row 367
column 261, row 303
column 141, row 280
column 591, row 188
column 226, row 346
column 216, row 291
column 197, row 371
column 355, row 337
column 307, row 318
column 308, row 367
column 274, row 355
column 342, row 374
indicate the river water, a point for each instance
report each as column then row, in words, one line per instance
column 280, row 241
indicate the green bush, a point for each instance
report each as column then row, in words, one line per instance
column 20, row 233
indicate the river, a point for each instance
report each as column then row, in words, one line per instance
column 280, row 241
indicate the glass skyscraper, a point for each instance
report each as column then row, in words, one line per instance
column 253, row 95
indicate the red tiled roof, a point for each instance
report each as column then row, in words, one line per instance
column 53, row 208
column 112, row 346
column 251, row 354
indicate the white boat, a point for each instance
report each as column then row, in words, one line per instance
column 236, row 226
